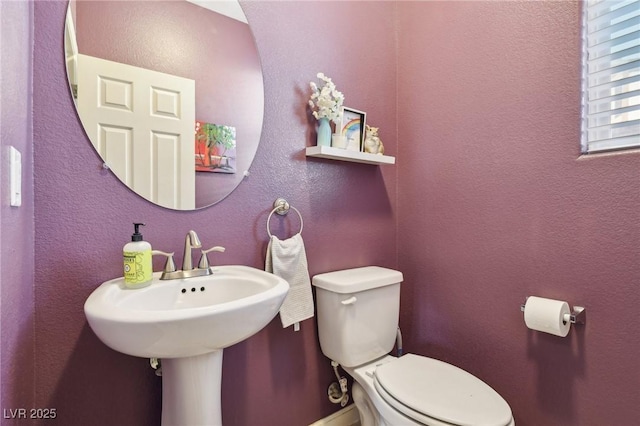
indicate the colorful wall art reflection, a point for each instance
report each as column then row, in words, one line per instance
column 215, row 148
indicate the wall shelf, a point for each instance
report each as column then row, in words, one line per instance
column 344, row 155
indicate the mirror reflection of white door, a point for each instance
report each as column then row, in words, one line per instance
column 142, row 122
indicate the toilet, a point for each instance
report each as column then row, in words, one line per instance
column 358, row 311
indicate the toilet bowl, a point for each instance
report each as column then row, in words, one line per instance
column 358, row 311
column 415, row 390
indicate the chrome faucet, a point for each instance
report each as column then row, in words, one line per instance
column 191, row 241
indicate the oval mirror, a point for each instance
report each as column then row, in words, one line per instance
column 170, row 94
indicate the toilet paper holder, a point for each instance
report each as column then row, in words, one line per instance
column 578, row 314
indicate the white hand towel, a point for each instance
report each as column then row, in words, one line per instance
column 288, row 260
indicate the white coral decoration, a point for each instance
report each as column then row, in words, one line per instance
column 326, row 102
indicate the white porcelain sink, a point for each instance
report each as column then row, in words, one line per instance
column 187, row 323
column 185, row 317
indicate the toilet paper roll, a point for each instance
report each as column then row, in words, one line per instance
column 547, row 315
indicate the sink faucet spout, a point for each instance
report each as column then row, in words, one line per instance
column 190, row 241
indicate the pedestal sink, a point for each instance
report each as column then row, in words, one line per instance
column 187, row 323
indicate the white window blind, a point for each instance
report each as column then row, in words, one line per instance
column 611, row 75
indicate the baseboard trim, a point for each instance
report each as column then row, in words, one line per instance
column 348, row 416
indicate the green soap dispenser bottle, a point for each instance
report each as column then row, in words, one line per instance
column 138, row 270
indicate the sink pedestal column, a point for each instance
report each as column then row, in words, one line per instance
column 191, row 390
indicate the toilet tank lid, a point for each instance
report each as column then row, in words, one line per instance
column 357, row 279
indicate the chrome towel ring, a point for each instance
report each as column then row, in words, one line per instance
column 281, row 207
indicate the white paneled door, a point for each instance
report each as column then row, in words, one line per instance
column 142, row 123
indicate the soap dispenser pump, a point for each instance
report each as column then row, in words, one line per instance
column 138, row 270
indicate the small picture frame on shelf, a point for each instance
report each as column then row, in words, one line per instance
column 352, row 128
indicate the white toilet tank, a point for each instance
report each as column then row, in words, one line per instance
column 358, row 312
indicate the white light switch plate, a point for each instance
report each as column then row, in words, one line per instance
column 16, row 176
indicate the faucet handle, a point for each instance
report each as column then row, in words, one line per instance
column 170, row 266
column 204, row 260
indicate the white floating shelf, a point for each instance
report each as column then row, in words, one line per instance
column 344, row 155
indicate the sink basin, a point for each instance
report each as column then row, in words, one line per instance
column 187, row 323
column 185, row 317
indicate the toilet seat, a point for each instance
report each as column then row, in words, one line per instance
column 426, row 389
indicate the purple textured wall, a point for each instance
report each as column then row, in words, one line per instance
column 495, row 204
column 84, row 215
column 16, row 223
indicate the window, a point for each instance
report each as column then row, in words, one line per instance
column 611, row 75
